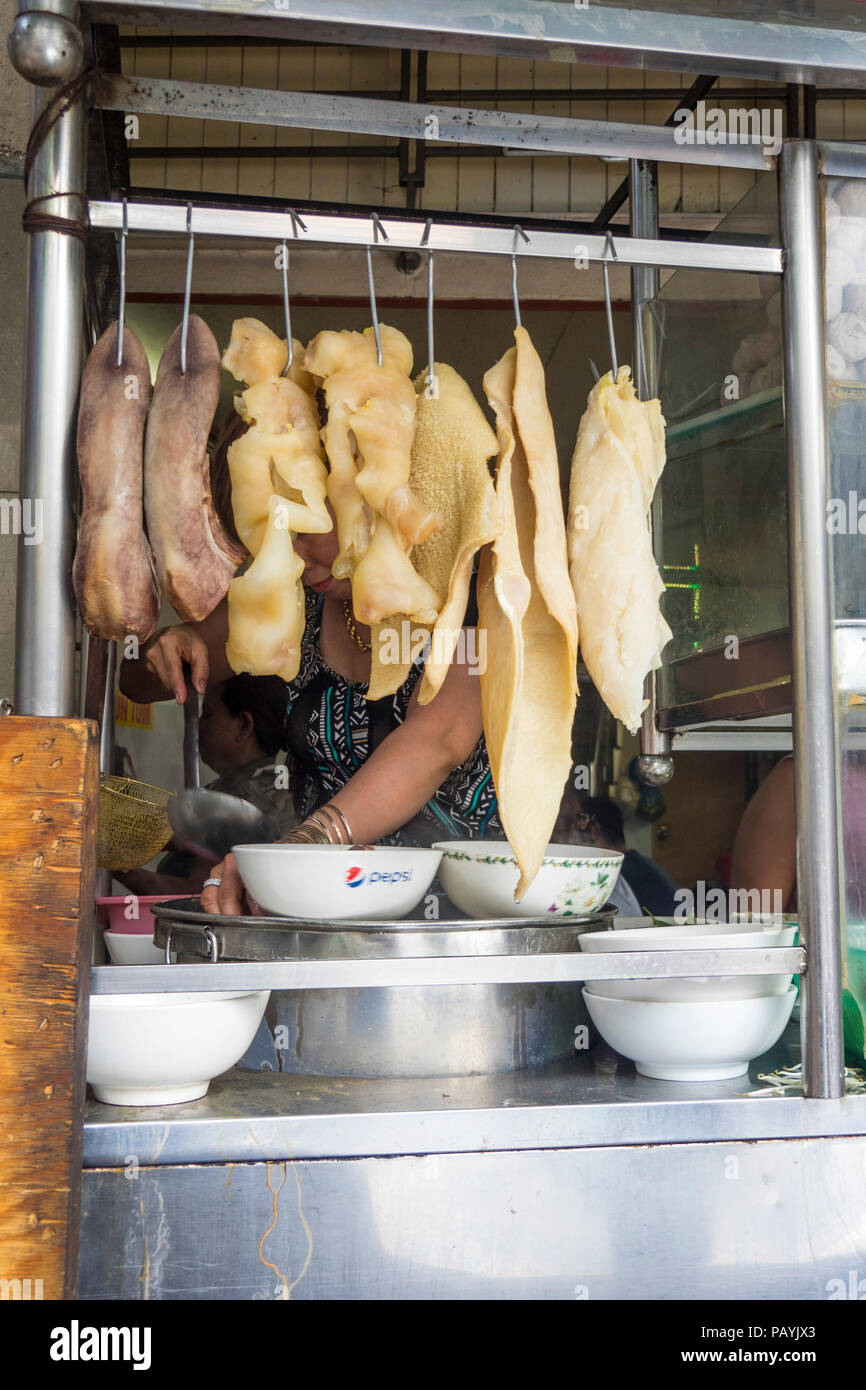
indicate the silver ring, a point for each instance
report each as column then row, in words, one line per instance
column 212, row 883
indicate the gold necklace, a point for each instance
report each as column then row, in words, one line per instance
column 353, row 631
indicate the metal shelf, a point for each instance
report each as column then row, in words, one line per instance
column 444, row 970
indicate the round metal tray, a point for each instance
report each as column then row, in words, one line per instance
column 191, row 932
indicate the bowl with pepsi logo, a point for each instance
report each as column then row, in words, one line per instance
column 338, row 883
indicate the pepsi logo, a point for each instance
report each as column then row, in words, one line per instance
column 354, row 876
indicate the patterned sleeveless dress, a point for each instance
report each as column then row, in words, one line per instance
column 331, row 729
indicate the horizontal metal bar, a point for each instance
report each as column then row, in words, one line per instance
column 743, row 739
column 260, row 1116
column 422, row 121
column 842, row 158
column 350, row 229
column 444, row 970
column 754, row 43
column 321, row 152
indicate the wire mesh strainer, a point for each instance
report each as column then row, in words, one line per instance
column 133, row 823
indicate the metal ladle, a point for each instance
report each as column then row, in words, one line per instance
column 209, row 823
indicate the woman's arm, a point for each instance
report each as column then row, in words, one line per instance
column 414, row 760
column 765, row 850
column 158, row 671
column 397, row 779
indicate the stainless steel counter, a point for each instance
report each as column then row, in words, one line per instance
column 252, row 1116
column 580, row 1180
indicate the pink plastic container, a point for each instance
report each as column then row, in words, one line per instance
column 131, row 914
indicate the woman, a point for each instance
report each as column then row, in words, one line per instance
column 367, row 771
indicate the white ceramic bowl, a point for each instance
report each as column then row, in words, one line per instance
column 480, row 876
column 162, row 1049
column 692, row 988
column 131, row 948
column 322, row 882
column 691, row 1042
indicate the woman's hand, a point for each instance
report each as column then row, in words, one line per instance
column 229, row 899
column 157, row 670
column 165, row 654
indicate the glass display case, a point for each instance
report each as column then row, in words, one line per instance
column 722, row 539
column 844, row 210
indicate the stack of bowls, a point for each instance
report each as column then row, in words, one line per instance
column 160, row 1048
column 129, row 927
column 705, row 1028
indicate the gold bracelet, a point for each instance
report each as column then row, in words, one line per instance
column 323, row 825
column 328, row 813
column 307, row 834
column 346, row 826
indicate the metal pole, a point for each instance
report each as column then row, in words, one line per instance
column 45, row 634
column 816, row 751
column 644, row 222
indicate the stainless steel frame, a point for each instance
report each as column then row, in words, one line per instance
column 444, row 970
column 819, row 868
column 421, row 121
column 411, row 234
column 644, row 222
column 254, row 1116
column 45, row 619
column 559, row 32
column 654, row 35
column 720, row 1221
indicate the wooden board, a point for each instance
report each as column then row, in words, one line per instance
column 49, row 788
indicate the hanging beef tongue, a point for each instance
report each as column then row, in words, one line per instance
column 112, row 576
column 195, row 559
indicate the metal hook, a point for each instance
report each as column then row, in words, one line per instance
column 514, row 295
column 187, row 289
column 518, row 232
column 643, row 386
column 431, row 379
column 373, row 310
column 290, row 351
column 607, row 305
column 121, row 308
column 378, row 229
column 297, row 221
column 425, row 240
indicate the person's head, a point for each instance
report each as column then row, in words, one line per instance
column 318, row 551
column 600, row 821
column 242, row 720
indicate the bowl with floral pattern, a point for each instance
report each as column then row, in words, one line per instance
column 480, row 877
